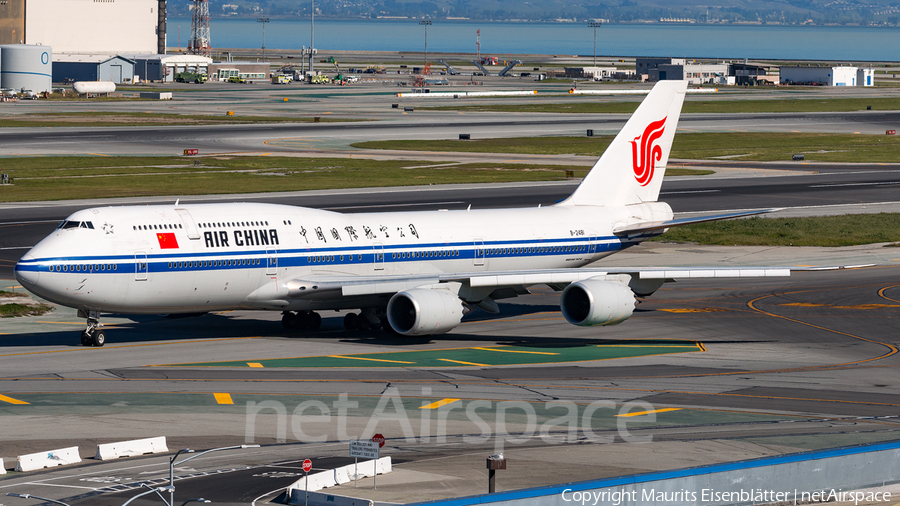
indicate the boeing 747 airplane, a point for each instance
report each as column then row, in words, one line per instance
column 414, row 273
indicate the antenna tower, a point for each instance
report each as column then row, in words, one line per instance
column 199, row 41
column 478, row 44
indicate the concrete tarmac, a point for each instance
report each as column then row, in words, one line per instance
column 787, row 364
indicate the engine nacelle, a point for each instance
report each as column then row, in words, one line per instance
column 596, row 302
column 422, row 311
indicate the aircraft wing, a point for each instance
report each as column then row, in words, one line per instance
column 656, row 225
column 349, row 286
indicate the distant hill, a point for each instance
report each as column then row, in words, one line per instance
column 793, row 12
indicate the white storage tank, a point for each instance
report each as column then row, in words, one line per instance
column 26, row 67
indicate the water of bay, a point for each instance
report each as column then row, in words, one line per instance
column 841, row 43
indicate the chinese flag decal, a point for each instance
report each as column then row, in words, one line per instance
column 167, row 241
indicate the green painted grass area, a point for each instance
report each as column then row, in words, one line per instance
column 825, row 441
column 736, row 145
column 478, row 356
column 101, row 119
column 846, row 230
column 605, row 416
column 58, row 178
column 13, row 310
column 695, row 105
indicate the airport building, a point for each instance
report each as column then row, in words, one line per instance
column 251, row 71
column 81, row 26
column 827, row 76
column 677, row 69
column 92, row 67
column 163, row 67
column 594, row 73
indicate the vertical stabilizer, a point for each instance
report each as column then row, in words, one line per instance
column 631, row 169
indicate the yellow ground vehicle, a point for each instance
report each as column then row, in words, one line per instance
column 191, row 77
column 319, row 79
column 281, row 79
column 237, row 79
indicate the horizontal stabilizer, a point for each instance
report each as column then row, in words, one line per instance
column 657, row 225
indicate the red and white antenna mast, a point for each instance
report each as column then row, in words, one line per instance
column 478, row 43
column 199, row 41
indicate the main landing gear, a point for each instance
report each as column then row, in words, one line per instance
column 367, row 319
column 301, row 320
column 92, row 335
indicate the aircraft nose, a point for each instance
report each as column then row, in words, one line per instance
column 27, row 272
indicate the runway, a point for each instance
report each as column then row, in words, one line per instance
column 173, row 139
column 705, row 371
column 806, row 190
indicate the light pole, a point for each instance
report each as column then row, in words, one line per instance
column 29, row 496
column 426, row 23
column 595, row 25
column 263, row 21
column 152, row 490
column 312, row 32
column 172, row 465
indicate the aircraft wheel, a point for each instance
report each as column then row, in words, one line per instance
column 314, row 321
column 85, row 338
column 350, row 321
column 362, row 323
column 302, row 320
column 98, row 338
column 289, row 320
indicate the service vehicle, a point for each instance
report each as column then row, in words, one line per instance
column 191, row 77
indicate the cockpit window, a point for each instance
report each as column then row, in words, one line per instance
column 76, row 224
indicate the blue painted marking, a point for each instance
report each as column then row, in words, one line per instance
column 306, row 256
column 664, row 475
column 26, row 73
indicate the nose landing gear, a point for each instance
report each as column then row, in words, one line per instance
column 92, row 335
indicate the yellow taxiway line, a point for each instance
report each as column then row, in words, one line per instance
column 223, row 398
column 437, row 404
column 648, row 412
column 517, row 351
column 463, row 363
column 370, row 359
column 11, row 400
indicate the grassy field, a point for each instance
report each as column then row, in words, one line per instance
column 13, row 310
column 101, row 119
column 58, row 178
column 739, row 145
column 847, row 230
column 696, row 105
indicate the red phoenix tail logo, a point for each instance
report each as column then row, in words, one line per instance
column 645, row 157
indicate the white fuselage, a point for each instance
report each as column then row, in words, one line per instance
column 197, row 258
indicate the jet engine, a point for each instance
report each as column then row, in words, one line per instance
column 422, row 311
column 596, row 302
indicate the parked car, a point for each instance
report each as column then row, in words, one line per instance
column 237, row 79
column 29, row 95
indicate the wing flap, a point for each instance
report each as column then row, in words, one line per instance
column 738, row 272
column 348, row 286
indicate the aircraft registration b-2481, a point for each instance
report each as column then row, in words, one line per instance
column 415, row 273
